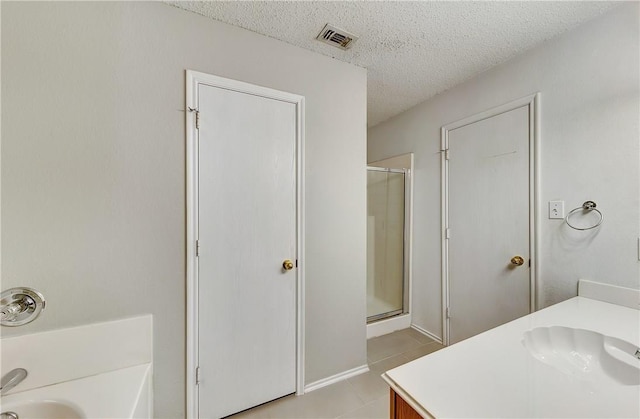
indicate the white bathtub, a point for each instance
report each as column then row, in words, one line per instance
column 98, row 370
column 123, row 393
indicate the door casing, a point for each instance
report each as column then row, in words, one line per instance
column 193, row 80
column 532, row 102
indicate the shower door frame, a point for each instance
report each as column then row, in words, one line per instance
column 406, row 242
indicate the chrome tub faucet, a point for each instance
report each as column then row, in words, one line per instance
column 12, row 379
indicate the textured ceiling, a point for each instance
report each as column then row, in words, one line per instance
column 412, row 50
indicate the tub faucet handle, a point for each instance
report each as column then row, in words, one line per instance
column 12, row 379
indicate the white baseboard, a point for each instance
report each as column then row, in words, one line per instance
column 427, row 333
column 335, row 378
column 387, row 326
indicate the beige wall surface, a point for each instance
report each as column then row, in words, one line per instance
column 93, row 171
column 590, row 102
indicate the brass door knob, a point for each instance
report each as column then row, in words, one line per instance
column 517, row 260
column 287, row 265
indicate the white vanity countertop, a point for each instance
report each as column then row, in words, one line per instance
column 493, row 375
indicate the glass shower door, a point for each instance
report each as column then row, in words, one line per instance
column 385, row 242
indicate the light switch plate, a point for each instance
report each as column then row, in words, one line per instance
column 556, row 209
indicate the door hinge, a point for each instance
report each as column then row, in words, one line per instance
column 197, row 375
column 448, row 313
column 447, row 233
column 197, row 248
column 197, row 116
column 446, row 154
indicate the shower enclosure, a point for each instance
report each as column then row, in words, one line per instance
column 387, row 292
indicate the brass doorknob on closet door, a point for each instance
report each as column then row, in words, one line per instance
column 517, row 260
column 287, row 265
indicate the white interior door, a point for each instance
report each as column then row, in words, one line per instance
column 488, row 220
column 247, row 228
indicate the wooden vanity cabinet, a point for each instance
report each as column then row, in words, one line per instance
column 399, row 409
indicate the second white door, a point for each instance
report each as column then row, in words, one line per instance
column 488, row 218
column 247, row 229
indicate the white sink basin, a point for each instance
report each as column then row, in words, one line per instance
column 44, row 409
column 585, row 354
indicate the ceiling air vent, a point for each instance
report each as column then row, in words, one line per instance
column 336, row 37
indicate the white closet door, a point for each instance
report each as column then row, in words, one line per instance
column 489, row 223
column 247, row 228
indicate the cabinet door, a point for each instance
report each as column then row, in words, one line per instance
column 399, row 409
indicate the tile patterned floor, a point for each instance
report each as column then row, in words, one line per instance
column 363, row 396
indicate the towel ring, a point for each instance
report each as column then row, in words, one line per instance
column 587, row 206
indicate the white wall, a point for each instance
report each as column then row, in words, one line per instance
column 93, row 171
column 588, row 79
